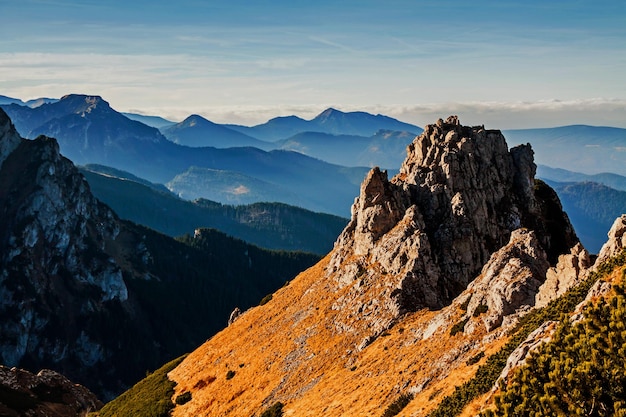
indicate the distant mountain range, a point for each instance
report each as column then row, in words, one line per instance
column 589, row 149
column 289, row 159
column 89, row 131
column 268, row 225
column 330, row 121
column 615, row 181
column 153, row 121
column 30, row 103
column 196, row 131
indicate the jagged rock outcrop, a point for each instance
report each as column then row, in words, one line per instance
column 509, row 281
column 53, row 237
column 616, row 240
column 419, row 239
column 45, row 394
column 570, row 270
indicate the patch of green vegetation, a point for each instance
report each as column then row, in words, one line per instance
column 150, row 397
column 183, row 398
column 276, row 410
column 458, row 327
column 579, row 372
column 266, row 299
column 488, row 373
column 398, row 405
column 475, row 359
column 482, row 308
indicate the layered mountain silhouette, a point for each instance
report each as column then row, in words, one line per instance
column 330, row 121
column 588, row 149
column 196, row 131
column 100, row 299
column 89, row 131
column 269, row 225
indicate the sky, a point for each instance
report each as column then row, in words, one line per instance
column 505, row 64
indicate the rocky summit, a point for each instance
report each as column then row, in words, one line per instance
column 418, row 240
column 435, row 269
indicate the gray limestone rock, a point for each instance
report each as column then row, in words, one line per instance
column 419, row 239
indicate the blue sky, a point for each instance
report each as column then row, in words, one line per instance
column 504, row 63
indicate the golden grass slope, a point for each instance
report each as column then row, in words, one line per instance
column 288, row 350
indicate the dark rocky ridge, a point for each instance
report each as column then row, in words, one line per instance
column 418, row 240
column 98, row 298
column 45, row 394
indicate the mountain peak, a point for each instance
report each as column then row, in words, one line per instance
column 82, row 103
column 9, row 138
column 458, row 197
column 329, row 113
column 194, row 120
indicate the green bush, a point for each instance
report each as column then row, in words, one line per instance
column 580, row 372
column 458, row 327
column 266, row 299
column 475, row 359
column 276, row 410
column 482, row 308
column 183, row 398
column 488, row 373
column 398, row 405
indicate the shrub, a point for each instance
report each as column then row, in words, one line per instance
column 475, row 359
column 482, row 308
column 276, row 410
column 150, row 397
column 398, row 405
column 458, row 327
column 488, row 373
column 266, row 299
column 585, row 360
column 183, row 398
column 230, row 374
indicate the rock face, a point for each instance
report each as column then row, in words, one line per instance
column 616, row 242
column 419, row 239
column 97, row 298
column 45, row 394
column 53, row 237
column 509, row 281
column 569, row 271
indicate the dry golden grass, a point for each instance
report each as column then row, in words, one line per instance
column 289, row 350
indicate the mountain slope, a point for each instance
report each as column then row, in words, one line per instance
column 97, row 298
column 435, row 267
column 154, row 121
column 89, row 131
column 330, row 121
column 591, row 149
column 615, row 181
column 269, row 225
column 384, row 149
column 196, row 131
